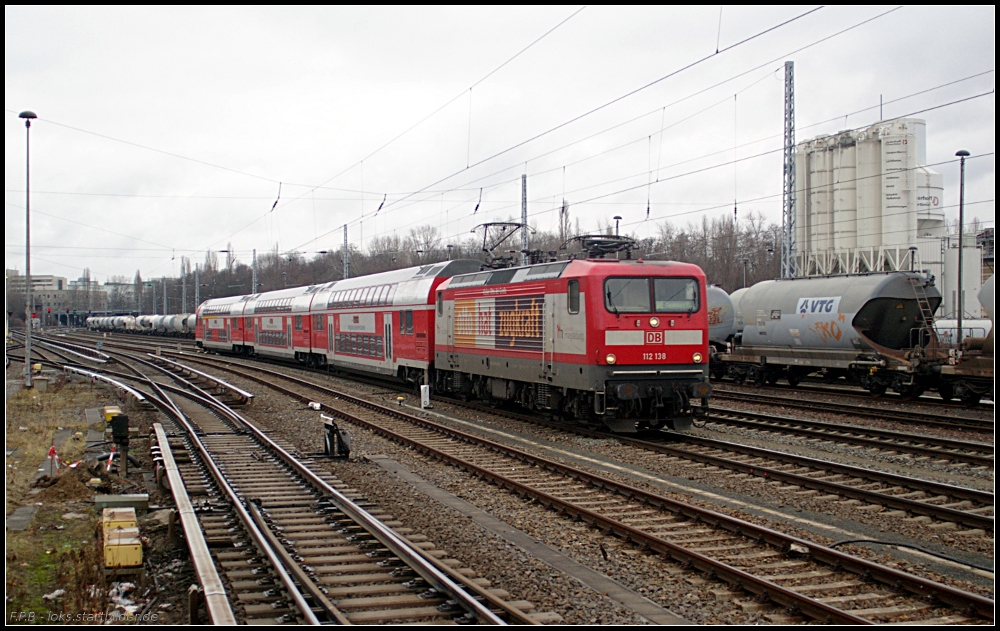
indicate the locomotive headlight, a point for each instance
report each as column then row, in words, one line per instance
column 610, row 358
column 697, row 357
column 654, row 322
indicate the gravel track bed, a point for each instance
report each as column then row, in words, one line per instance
column 541, row 520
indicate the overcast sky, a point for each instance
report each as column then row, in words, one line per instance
column 163, row 132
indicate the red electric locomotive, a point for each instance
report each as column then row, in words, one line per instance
column 622, row 342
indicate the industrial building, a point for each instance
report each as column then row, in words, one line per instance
column 866, row 201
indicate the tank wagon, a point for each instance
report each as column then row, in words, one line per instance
column 968, row 373
column 721, row 327
column 875, row 329
column 623, row 343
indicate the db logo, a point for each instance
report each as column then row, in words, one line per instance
column 654, row 337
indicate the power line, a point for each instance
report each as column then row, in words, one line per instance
column 39, row 212
column 154, row 149
column 628, row 94
column 412, row 127
column 758, row 155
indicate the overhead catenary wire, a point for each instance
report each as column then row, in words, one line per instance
column 631, row 93
column 420, row 122
column 536, row 157
column 427, row 189
column 661, row 180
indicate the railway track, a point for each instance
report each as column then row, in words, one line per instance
column 816, row 581
column 905, row 496
column 866, row 488
column 883, row 441
column 926, row 419
column 932, row 400
column 295, row 548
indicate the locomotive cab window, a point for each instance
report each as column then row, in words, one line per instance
column 675, row 295
column 573, row 296
column 440, row 303
column 647, row 295
column 627, row 295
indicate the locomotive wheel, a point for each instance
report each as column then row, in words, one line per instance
column 877, row 389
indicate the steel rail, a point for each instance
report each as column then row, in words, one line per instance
column 213, row 589
column 428, row 568
column 820, row 387
column 101, row 358
column 833, row 431
column 972, row 520
column 895, row 578
column 222, row 385
column 925, row 418
column 138, row 396
column 248, row 522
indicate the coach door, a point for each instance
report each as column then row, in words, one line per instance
column 387, row 334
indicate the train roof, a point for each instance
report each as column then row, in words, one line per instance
column 572, row 268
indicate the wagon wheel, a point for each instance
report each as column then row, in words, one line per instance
column 793, row 378
column 946, row 390
column 971, row 399
column 771, row 378
column 877, row 389
column 911, row 393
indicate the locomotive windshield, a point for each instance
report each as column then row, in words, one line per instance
column 675, row 295
column 648, row 295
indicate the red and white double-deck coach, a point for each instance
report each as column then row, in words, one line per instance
column 618, row 341
column 380, row 323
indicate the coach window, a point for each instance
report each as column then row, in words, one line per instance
column 409, row 321
column 402, row 322
column 573, row 296
column 298, row 323
column 319, row 322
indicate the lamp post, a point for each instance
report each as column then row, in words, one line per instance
column 617, row 218
column 28, row 116
column 961, row 229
